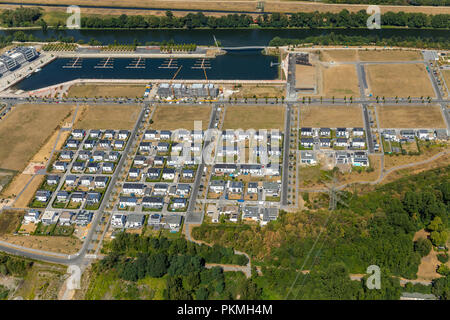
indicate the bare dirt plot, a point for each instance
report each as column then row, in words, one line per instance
column 410, row 117
column 108, row 117
column 260, row 91
column 331, row 116
column 401, row 80
column 68, row 245
column 180, row 117
column 25, row 131
column 446, row 75
column 340, row 81
column 104, row 90
column 254, row 117
column 16, row 185
column 339, row 55
column 44, row 153
column 305, row 76
column 390, row 55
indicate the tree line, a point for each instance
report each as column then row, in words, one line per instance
column 396, row 2
column 25, row 17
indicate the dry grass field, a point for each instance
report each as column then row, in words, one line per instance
column 27, row 195
column 233, row 5
column 26, row 130
column 305, row 76
column 331, row 116
column 410, row 117
column 260, row 91
column 180, row 117
column 339, row 55
column 107, row 117
column 390, row 55
column 446, row 75
column 340, row 81
column 104, row 90
column 254, row 117
column 10, row 221
column 67, row 245
column 401, row 80
column 427, row 153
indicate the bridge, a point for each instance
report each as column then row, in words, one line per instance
column 243, row 48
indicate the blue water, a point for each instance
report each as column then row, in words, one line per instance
column 242, row 65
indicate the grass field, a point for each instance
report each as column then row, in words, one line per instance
column 339, row 55
column 260, row 91
column 254, row 117
column 180, row 117
column 401, row 80
column 10, row 220
column 340, row 81
column 331, row 116
column 305, row 76
column 233, row 5
column 446, row 75
column 108, row 117
column 25, row 131
column 103, row 90
column 410, row 117
column 389, row 55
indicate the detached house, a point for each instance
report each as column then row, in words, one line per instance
column 179, row 203
column 60, row 166
column 52, row 180
column 358, row 143
column 153, row 173
column 135, row 220
column 168, row 174
column 342, row 133
column 358, row 132
column 324, row 132
column 307, row 142
column 235, row 186
column 108, row 167
column 307, row 132
column 123, row 134
column 153, row 202
column 100, row 182
column 217, row 186
column 133, row 188
column 42, row 195
column 308, row 158
column 150, row 135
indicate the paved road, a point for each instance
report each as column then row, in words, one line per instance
column 79, row 257
column 285, row 168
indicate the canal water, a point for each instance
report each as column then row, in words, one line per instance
column 235, row 65
column 227, row 37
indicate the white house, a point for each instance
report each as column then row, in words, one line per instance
column 49, row 217
column 153, row 202
column 308, row 158
column 358, row 143
column 179, row 203
column 135, row 220
column 127, row 202
column 31, row 216
column 133, row 188
column 168, row 174
column 42, row 195
column 60, row 166
column 118, row 220
column 341, row 142
column 217, row 186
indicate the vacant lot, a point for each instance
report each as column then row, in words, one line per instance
column 103, row 90
column 340, row 81
column 390, row 55
column 339, row 55
column 10, row 220
column 446, row 75
column 108, row 117
column 29, row 192
column 26, row 130
column 180, row 117
column 331, row 116
column 401, row 80
column 410, row 117
column 259, row 90
column 305, row 76
column 254, row 117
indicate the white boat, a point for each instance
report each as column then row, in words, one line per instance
column 37, row 70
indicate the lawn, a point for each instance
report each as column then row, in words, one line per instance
column 410, row 117
column 259, row 90
column 118, row 117
column 390, row 55
column 26, row 130
column 402, row 80
column 254, row 117
column 180, row 117
column 331, row 116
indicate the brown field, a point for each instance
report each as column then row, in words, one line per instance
column 394, row 161
column 332, row 117
column 260, row 91
column 107, row 117
column 446, row 75
column 10, row 221
column 29, row 192
column 103, row 90
column 401, row 80
column 305, row 76
column 67, row 245
column 340, row 81
column 233, row 5
column 16, row 185
column 341, row 55
column 254, row 117
column 180, row 117
column 25, row 131
column 390, row 55
column 410, row 117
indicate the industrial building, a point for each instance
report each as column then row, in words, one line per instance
column 180, row 90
